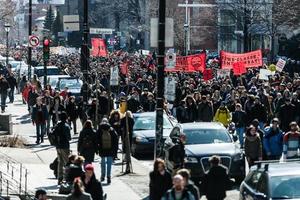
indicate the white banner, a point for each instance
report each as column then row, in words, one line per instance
column 280, row 65
column 114, row 76
column 264, row 74
column 223, row 73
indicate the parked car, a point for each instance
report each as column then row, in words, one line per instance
column 143, row 139
column 51, row 70
column 280, row 180
column 52, row 80
column 203, row 140
column 73, row 84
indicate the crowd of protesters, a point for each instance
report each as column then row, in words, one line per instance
column 265, row 114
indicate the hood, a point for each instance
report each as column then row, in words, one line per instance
column 150, row 133
column 212, row 149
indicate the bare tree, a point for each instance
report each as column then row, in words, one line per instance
column 7, row 10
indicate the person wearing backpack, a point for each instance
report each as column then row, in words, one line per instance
column 87, row 144
column 223, row 115
column 62, row 144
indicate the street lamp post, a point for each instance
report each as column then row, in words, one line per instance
column 7, row 29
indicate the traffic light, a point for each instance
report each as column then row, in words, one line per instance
column 46, row 49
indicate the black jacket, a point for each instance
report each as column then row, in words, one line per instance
column 159, row 184
column 258, row 111
column 71, row 110
column 239, row 118
column 94, row 188
column 287, row 114
column 111, row 152
column 133, row 105
column 193, row 189
column 205, row 112
column 216, row 182
column 73, row 171
column 12, row 81
column 62, row 130
column 87, row 144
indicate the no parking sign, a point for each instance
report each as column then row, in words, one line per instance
column 34, row 41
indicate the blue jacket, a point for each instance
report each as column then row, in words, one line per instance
column 273, row 141
column 34, row 114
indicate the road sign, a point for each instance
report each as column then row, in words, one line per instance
column 280, row 65
column 71, row 23
column 102, row 31
column 170, row 88
column 34, row 41
column 170, row 59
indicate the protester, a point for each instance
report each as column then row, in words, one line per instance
column 291, row 142
column 39, row 118
column 216, row 181
column 189, row 184
column 12, row 81
column 72, row 112
column 4, row 86
column 205, row 110
column 78, row 192
column 239, row 118
column 91, row 184
column 107, row 148
column 287, row 114
column 40, row 194
column 253, row 147
column 160, row 180
column 273, row 141
column 87, row 143
column 223, row 115
column 178, row 192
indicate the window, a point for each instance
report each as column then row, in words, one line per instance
column 262, row 185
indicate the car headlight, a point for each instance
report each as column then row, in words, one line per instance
column 141, row 139
column 238, row 157
column 191, row 160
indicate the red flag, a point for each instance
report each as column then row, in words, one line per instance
column 239, row 68
column 250, row 59
column 190, row 63
column 124, row 68
column 207, row 74
column 98, row 47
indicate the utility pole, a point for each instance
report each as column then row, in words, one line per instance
column 29, row 34
column 160, row 81
column 246, row 23
column 85, row 54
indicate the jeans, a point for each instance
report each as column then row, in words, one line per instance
column 3, row 100
column 62, row 157
column 48, row 124
column 40, row 132
column 240, row 132
column 73, row 124
column 11, row 94
column 106, row 162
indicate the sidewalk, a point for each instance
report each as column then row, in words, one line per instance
column 36, row 158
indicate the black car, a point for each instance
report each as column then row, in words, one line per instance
column 203, row 140
column 143, row 138
column 272, row 181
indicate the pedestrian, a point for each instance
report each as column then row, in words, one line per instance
column 149, row 105
column 72, row 112
column 253, row 147
column 205, row 110
column 32, row 96
column 291, row 142
column 180, row 112
column 189, row 184
column 223, row 115
column 239, row 119
column 160, row 180
column 178, row 191
column 39, row 118
column 63, row 137
column 12, row 81
column 22, row 84
column 273, row 141
column 87, row 143
column 40, row 194
column 125, row 131
column 74, row 170
column 190, row 109
column 56, row 109
column 48, row 101
column 91, row 184
column 287, row 114
column 4, row 86
column 78, row 192
column 216, row 181
column 107, row 148
column 133, row 103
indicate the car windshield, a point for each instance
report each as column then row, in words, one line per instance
column 148, row 123
column 285, row 187
column 70, row 83
column 40, row 72
column 206, row 136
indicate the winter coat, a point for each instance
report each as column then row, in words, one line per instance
column 258, row 111
column 12, row 81
column 159, row 184
column 180, row 114
column 170, row 195
column 216, row 182
column 73, row 171
column 287, row 114
column 32, row 98
column 149, row 106
column 239, row 118
column 124, row 130
column 87, row 144
column 273, row 141
column 193, row 189
column 191, row 113
column 35, row 114
column 133, row 105
column 3, row 86
column 223, row 116
column 113, row 150
column 205, row 112
column 63, row 134
column 60, row 109
column 71, row 110
column 93, row 187
column 253, row 147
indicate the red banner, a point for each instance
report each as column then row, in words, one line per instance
column 207, row 74
column 250, row 59
column 190, row 63
column 239, row 68
column 98, row 47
